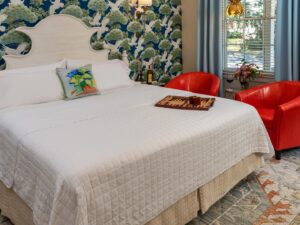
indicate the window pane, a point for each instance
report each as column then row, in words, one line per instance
column 254, row 42
column 254, row 8
column 269, row 31
column 272, row 59
column 254, row 30
column 235, row 32
column 256, row 57
column 271, row 8
column 252, row 37
column 234, row 55
column 269, row 43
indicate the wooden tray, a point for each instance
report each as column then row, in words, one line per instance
column 179, row 102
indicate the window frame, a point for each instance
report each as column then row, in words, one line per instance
column 267, row 16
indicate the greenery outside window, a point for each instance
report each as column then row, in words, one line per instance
column 251, row 37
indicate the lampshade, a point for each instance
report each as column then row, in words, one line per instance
column 144, row 2
column 141, row 2
column 234, row 8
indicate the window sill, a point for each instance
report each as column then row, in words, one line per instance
column 266, row 75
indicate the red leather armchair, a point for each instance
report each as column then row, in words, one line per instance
column 197, row 82
column 279, row 107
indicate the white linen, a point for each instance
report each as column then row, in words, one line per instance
column 115, row 159
column 27, row 70
column 75, row 63
column 30, row 85
column 108, row 75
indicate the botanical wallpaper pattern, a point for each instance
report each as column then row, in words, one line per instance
column 153, row 39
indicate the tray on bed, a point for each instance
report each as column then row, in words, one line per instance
column 180, row 102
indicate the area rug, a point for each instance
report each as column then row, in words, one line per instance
column 269, row 196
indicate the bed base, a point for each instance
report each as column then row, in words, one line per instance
column 13, row 207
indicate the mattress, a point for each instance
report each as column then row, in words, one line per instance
column 115, row 158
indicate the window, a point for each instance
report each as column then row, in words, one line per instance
column 251, row 37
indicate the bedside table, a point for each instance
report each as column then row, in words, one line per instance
column 230, row 88
column 230, row 92
column 155, row 83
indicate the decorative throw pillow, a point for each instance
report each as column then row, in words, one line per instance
column 78, row 82
column 109, row 74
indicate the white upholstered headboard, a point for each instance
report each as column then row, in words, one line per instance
column 55, row 38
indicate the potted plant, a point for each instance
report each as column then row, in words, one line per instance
column 246, row 72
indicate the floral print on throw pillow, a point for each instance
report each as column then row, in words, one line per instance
column 78, row 82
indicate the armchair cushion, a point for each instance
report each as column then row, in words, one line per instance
column 267, row 116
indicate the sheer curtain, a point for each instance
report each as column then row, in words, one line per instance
column 288, row 40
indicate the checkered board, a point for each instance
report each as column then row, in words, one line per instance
column 179, row 102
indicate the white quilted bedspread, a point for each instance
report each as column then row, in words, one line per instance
column 115, row 159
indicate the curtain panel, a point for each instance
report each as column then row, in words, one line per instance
column 288, row 41
column 210, row 49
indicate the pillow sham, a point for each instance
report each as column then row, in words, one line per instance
column 78, row 82
column 31, row 87
column 75, row 63
column 109, row 74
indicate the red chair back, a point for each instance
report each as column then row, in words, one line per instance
column 273, row 94
column 289, row 91
column 197, row 82
column 278, row 104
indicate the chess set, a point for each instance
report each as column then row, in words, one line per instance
column 186, row 103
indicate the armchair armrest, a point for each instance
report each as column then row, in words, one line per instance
column 214, row 90
column 251, row 96
column 291, row 105
column 287, row 124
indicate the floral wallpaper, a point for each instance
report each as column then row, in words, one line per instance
column 155, row 38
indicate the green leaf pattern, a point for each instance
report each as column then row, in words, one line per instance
column 155, row 38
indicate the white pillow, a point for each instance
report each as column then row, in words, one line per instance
column 29, row 86
column 75, row 63
column 108, row 75
column 53, row 66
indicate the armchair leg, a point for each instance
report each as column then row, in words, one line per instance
column 277, row 155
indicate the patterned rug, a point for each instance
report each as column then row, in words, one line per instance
column 270, row 196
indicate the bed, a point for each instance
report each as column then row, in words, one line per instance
column 114, row 158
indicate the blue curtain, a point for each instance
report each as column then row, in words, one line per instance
column 210, row 36
column 288, row 40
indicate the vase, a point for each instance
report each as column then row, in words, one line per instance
column 244, row 83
